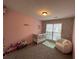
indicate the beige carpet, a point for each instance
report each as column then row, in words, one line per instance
column 37, row 52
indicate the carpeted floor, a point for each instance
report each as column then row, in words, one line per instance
column 39, row 51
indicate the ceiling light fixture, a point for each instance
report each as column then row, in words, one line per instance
column 44, row 13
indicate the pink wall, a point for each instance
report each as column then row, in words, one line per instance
column 14, row 29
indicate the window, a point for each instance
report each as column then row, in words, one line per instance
column 53, row 31
column 49, row 31
column 57, row 31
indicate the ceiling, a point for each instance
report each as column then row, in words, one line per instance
column 56, row 8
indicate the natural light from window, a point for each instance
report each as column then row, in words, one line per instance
column 53, row 31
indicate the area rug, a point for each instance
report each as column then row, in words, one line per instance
column 49, row 44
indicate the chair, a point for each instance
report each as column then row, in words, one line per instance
column 64, row 45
